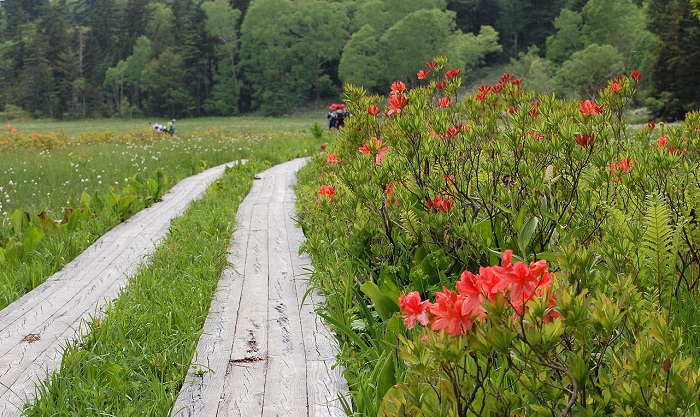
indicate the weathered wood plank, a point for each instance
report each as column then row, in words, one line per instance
column 325, row 385
column 281, row 354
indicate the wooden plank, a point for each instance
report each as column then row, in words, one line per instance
column 325, row 385
column 285, row 386
column 244, row 392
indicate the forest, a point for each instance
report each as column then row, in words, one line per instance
column 72, row 59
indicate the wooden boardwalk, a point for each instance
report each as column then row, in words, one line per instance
column 263, row 353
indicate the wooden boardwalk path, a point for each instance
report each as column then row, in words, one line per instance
column 263, row 353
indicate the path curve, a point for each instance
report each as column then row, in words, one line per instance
column 35, row 328
column 263, row 353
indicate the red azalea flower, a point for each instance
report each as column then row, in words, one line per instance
column 469, row 285
column 453, row 131
column 534, row 108
column 439, row 203
column 332, row 158
column 373, row 110
column 585, row 139
column 397, row 88
column 651, row 125
column 323, row 146
column 636, row 76
column 389, row 191
column 328, row 191
column 374, row 146
column 440, row 85
column 396, row 104
column 513, row 109
column 590, row 108
column 444, row 101
column 662, row 141
column 423, row 74
column 449, row 314
column 615, row 87
column 452, row 73
column 522, row 281
column 431, row 64
column 414, row 308
column 506, row 77
column 517, row 82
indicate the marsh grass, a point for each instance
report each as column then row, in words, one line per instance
column 53, row 180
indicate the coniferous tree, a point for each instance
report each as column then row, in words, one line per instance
column 675, row 72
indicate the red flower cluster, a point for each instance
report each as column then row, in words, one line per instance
column 534, row 108
column 332, row 158
column 397, row 101
column 327, row 191
column 323, row 146
column 585, row 139
column 423, row 74
column 439, row 203
column 590, row 108
column 373, row 110
column 456, row 311
column 484, row 91
column 663, row 140
column 636, row 76
column 444, row 101
column 623, row 166
column 374, row 147
column 452, row 73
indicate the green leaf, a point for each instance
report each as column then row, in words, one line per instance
column 31, row 238
column 385, row 306
column 525, row 233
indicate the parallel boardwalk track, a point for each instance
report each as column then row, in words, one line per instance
column 34, row 329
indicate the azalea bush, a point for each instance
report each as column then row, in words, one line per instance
column 593, row 222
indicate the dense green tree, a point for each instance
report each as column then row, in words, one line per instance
column 319, row 32
column 536, row 72
column 265, row 56
column 222, row 24
column 589, row 70
column 472, row 14
column 160, row 29
column 675, row 73
column 568, row 38
column 523, row 23
column 361, row 63
column 468, row 51
column 166, row 82
column 415, row 40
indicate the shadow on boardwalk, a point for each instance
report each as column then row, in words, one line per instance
column 262, row 352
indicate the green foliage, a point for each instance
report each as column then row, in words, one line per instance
column 588, row 70
column 434, row 188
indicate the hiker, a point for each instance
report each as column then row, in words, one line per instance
column 340, row 115
column 331, row 116
column 171, row 127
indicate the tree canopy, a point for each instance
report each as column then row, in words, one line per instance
column 96, row 58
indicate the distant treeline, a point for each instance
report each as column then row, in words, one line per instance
column 175, row 58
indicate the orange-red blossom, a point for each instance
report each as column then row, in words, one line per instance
column 456, row 311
